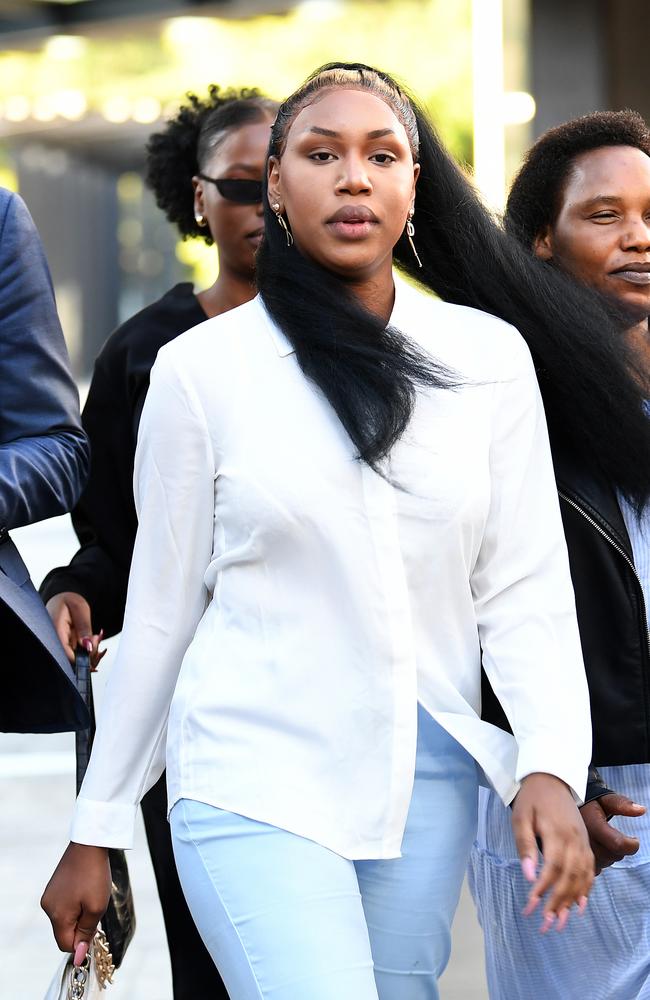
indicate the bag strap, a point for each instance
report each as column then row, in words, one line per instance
column 79, row 979
column 84, row 737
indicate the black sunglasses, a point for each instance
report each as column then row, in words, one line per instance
column 237, row 189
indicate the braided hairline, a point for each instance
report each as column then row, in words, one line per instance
column 352, row 76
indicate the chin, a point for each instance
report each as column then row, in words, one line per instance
column 354, row 266
column 637, row 305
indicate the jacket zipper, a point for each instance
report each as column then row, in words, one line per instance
column 621, row 551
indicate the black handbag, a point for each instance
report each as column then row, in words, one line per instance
column 118, row 923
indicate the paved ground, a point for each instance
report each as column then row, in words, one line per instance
column 37, row 792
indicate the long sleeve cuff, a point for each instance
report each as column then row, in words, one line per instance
column 535, row 759
column 103, row 824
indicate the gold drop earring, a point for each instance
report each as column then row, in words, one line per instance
column 410, row 232
column 281, row 220
column 201, row 220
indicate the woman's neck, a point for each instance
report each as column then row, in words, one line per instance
column 376, row 294
column 638, row 339
column 230, row 290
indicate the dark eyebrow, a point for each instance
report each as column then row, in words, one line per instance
column 248, row 167
column 599, row 198
column 376, row 134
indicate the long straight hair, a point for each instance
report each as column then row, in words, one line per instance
column 592, row 391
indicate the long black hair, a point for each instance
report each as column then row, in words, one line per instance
column 369, row 373
column 188, row 141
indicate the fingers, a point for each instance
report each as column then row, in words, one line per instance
column 91, row 644
column 72, row 620
column 85, row 931
column 59, row 613
column 567, row 875
column 64, row 923
column 526, row 842
column 615, row 844
column 608, row 843
column 81, row 620
column 77, row 895
column 614, row 804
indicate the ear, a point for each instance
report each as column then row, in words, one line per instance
column 199, row 202
column 273, row 181
column 543, row 245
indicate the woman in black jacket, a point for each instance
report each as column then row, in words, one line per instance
column 205, row 170
column 581, row 202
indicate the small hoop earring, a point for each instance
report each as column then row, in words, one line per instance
column 410, row 232
column 287, row 231
column 201, row 220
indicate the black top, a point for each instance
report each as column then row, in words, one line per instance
column 105, row 519
column 612, row 616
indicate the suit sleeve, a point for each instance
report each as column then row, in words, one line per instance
column 523, row 597
column 104, row 519
column 43, row 449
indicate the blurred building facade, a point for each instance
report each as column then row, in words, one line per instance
column 588, row 55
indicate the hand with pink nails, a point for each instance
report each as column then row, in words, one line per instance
column 544, row 809
column 72, row 620
column 76, row 897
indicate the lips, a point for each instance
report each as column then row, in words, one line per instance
column 634, row 272
column 353, row 222
column 352, row 214
column 256, row 236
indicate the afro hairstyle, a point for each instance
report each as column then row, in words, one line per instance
column 536, row 193
column 186, row 143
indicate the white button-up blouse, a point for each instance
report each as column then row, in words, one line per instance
column 288, row 607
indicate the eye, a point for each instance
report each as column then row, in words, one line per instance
column 321, row 156
column 604, row 216
column 383, row 158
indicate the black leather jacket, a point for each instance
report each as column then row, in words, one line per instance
column 612, row 617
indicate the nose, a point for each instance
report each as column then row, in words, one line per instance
column 354, row 179
column 637, row 236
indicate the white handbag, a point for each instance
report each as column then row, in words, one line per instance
column 88, row 980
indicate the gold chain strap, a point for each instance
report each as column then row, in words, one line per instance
column 78, row 980
column 104, row 965
column 104, row 968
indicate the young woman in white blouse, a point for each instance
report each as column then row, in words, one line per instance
column 345, row 501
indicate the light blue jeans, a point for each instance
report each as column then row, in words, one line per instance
column 286, row 919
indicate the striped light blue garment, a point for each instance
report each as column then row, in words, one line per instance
column 604, row 955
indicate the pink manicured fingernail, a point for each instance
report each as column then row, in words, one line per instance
column 547, row 923
column 562, row 920
column 582, row 905
column 87, row 644
column 80, row 952
column 529, row 867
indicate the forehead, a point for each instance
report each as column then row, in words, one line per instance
column 347, row 111
column 616, row 171
column 243, row 144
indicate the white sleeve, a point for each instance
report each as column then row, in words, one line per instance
column 174, row 492
column 523, row 596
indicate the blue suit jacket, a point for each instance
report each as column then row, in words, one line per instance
column 43, row 468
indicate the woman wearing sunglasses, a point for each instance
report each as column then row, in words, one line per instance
column 205, row 170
